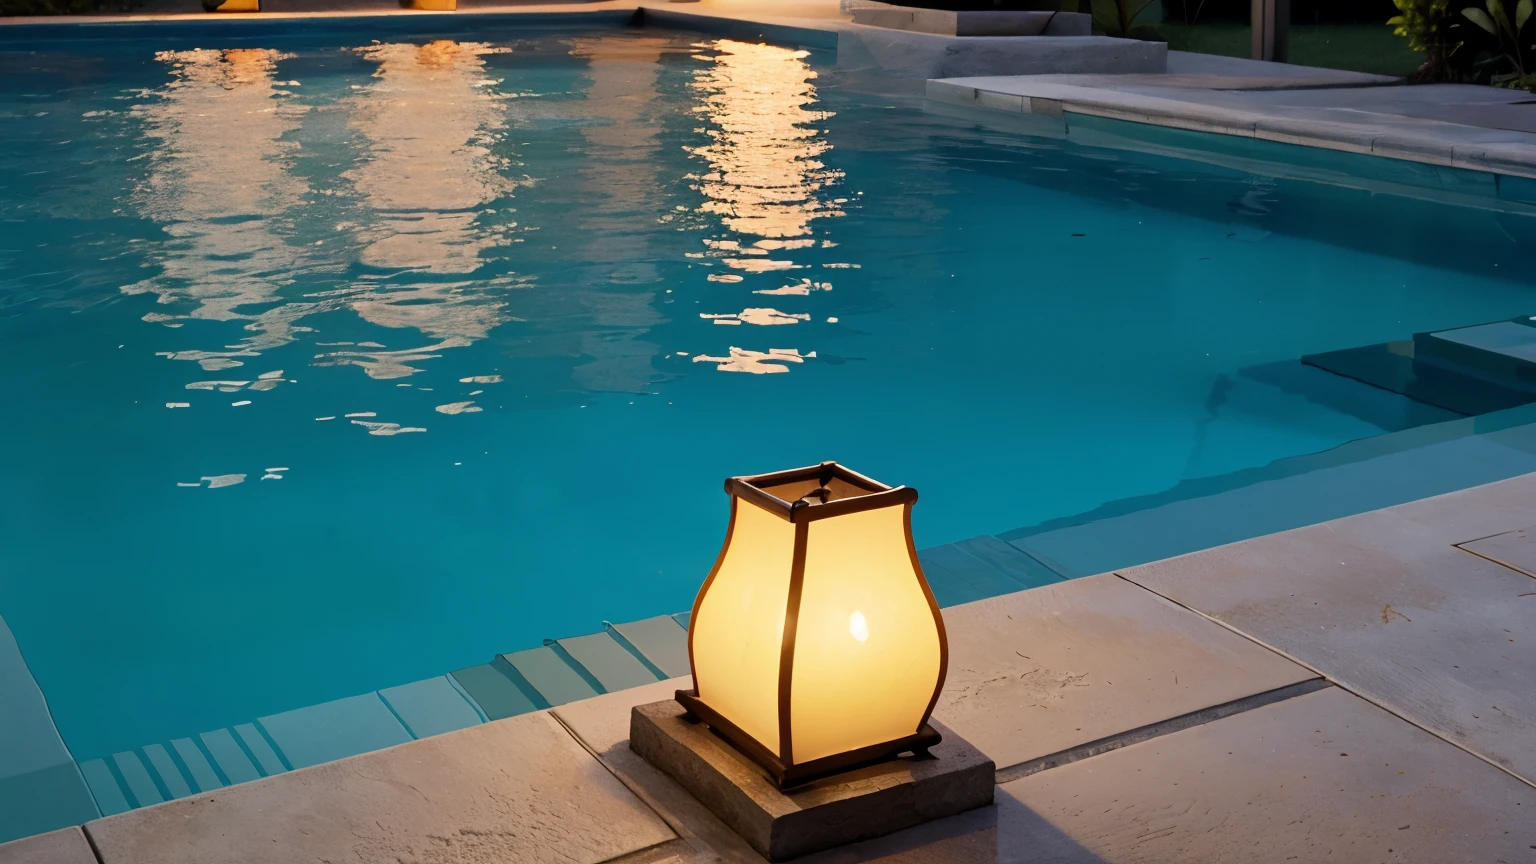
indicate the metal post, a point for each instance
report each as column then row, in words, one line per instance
column 1271, row 30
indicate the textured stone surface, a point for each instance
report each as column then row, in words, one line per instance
column 1386, row 605
column 1043, row 671
column 65, row 846
column 861, row 804
column 1514, row 549
column 517, row 790
column 1322, row 777
column 602, row 725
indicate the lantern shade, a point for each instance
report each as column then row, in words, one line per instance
column 816, row 644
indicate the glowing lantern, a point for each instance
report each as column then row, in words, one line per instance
column 816, row 643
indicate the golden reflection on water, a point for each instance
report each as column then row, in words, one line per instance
column 222, row 183
column 765, row 147
column 765, row 182
column 219, row 181
column 428, row 119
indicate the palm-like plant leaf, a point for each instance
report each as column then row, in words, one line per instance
column 1480, row 18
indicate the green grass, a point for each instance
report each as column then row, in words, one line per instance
column 1354, row 47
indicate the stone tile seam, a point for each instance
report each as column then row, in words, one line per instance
column 1160, row 728
column 90, row 841
column 1341, row 685
column 1493, row 560
column 676, row 825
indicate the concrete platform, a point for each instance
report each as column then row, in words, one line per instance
column 1463, row 126
column 1514, row 549
column 512, row 791
column 1385, row 604
column 1323, row 777
column 64, row 846
column 1034, row 676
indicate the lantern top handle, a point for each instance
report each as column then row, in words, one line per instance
column 817, row 492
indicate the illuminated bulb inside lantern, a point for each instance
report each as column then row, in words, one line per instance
column 857, row 626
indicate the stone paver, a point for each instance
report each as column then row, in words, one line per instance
column 1041, row 672
column 1514, row 549
column 65, row 846
column 1385, row 604
column 517, row 790
column 602, row 725
column 1325, row 776
column 1322, row 777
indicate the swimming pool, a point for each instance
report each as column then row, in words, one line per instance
column 334, row 363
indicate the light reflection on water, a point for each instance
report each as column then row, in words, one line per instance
column 426, row 173
column 765, row 181
column 413, row 228
column 220, row 185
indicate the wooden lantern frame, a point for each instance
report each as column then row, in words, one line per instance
column 784, row 770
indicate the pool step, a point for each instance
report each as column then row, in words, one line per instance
column 1357, row 477
column 1468, row 370
column 40, row 786
column 662, row 642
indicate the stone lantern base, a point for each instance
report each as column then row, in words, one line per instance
column 861, row 804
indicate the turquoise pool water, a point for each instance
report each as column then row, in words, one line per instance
column 331, row 364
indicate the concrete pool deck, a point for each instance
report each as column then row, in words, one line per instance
column 1456, row 125
column 1361, row 689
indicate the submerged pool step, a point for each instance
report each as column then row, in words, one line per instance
column 40, row 786
column 979, row 568
column 662, row 641
column 494, row 691
column 614, row 667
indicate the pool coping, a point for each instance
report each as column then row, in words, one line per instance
column 1232, row 679
column 1067, row 99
